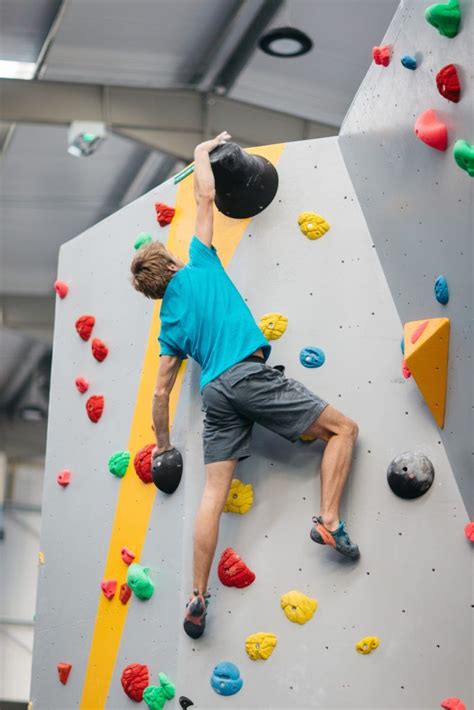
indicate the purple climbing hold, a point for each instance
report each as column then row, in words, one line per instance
column 441, row 290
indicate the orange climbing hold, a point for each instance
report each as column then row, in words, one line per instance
column 469, row 531
column 84, row 325
column 63, row 671
column 382, row 55
column 142, row 463
column 164, row 213
column 431, row 130
column 427, row 359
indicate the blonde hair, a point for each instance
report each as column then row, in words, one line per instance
column 150, row 272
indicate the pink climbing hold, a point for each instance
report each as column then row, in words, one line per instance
column 64, row 478
column 453, row 704
column 61, row 288
column 469, row 531
column 418, row 332
column 127, row 556
column 81, row 384
column 406, row 372
column 108, row 587
column 431, row 130
column 382, row 55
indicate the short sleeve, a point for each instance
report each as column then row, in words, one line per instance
column 200, row 255
column 166, row 348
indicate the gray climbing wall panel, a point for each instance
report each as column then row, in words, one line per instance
column 418, row 204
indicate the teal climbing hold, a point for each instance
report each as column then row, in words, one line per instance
column 402, row 345
column 169, row 688
column 155, row 697
column 312, row 357
column 446, row 17
column 118, row 463
column 408, row 62
column 142, row 239
column 225, row 678
column 139, row 581
column 441, row 290
column 464, row 156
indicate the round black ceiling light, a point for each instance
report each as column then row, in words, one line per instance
column 285, row 42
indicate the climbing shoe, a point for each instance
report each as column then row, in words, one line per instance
column 195, row 619
column 339, row 538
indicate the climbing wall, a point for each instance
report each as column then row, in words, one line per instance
column 418, row 203
column 410, row 589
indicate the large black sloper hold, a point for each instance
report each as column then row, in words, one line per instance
column 410, row 474
column 166, row 470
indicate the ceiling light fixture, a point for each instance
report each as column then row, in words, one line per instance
column 285, row 42
column 17, row 70
column 84, row 137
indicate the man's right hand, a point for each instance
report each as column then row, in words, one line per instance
column 208, row 146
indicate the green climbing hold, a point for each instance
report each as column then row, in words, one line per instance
column 118, row 463
column 142, row 239
column 155, row 697
column 169, row 688
column 446, row 17
column 139, row 581
column 464, row 156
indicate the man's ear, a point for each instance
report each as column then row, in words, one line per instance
column 172, row 267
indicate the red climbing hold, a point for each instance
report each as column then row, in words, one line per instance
column 232, row 570
column 95, row 407
column 63, row 671
column 61, row 288
column 84, row 325
column 134, row 680
column 109, row 586
column 125, row 593
column 430, row 130
column 142, row 463
column 99, row 349
column 447, row 81
column 82, row 384
column 382, row 55
column 469, row 531
column 127, row 555
column 405, row 370
column 453, row 704
column 164, row 214
column 418, row 332
column 64, row 478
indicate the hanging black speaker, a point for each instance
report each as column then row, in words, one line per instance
column 245, row 183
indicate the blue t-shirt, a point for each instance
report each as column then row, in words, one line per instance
column 204, row 316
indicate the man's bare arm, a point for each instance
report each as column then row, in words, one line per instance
column 204, row 187
column 167, row 373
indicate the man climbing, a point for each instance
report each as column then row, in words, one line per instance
column 200, row 305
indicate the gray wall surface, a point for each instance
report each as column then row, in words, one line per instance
column 418, row 204
column 412, row 585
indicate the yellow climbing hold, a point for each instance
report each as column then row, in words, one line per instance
column 273, row 325
column 260, row 646
column 240, row 498
column 41, row 557
column 367, row 644
column 298, row 607
column 426, row 355
column 313, row 225
column 307, row 437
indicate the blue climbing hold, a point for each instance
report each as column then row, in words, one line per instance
column 402, row 345
column 225, row 678
column 408, row 62
column 441, row 290
column 312, row 357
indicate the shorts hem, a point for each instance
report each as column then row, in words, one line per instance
column 308, row 419
column 240, row 456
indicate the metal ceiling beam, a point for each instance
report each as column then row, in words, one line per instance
column 172, row 121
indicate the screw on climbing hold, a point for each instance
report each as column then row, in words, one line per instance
column 64, row 478
column 273, row 325
column 139, row 581
column 410, row 474
column 447, row 81
column 84, row 325
column 185, row 702
column 142, row 239
column 441, row 290
column 225, row 678
column 118, row 463
column 453, row 704
column 95, row 407
column 382, row 55
column 164, row 213
column 135, row 679
column 260, row 645
column 409, row 62
column 367, row 644
column 313, row 225
column 82, row 384
column 464, row 156
column 61, row 288
column 63, row 671
column 312, row 357
column 125, row 593
column 127, row 555
column 108, row 587
column 446, row 17
column 298, row 607
column 142, row 463
column 99, row 349
column 232, row 570
column 431, row 130
column 240, row 498
column 469, row 531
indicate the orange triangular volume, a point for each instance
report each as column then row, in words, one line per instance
column 427, row 359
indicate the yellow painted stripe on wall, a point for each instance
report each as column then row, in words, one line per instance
column 135, row 501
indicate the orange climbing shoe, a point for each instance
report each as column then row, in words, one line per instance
column 339, row 538
column 196, row 611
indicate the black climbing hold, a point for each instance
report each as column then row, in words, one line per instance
column 410, row 474
column 167, row 470
column 245, row 183
column 185, row 702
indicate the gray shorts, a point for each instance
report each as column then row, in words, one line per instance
column 250, row 392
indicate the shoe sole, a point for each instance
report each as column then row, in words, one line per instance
column 327, row 539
